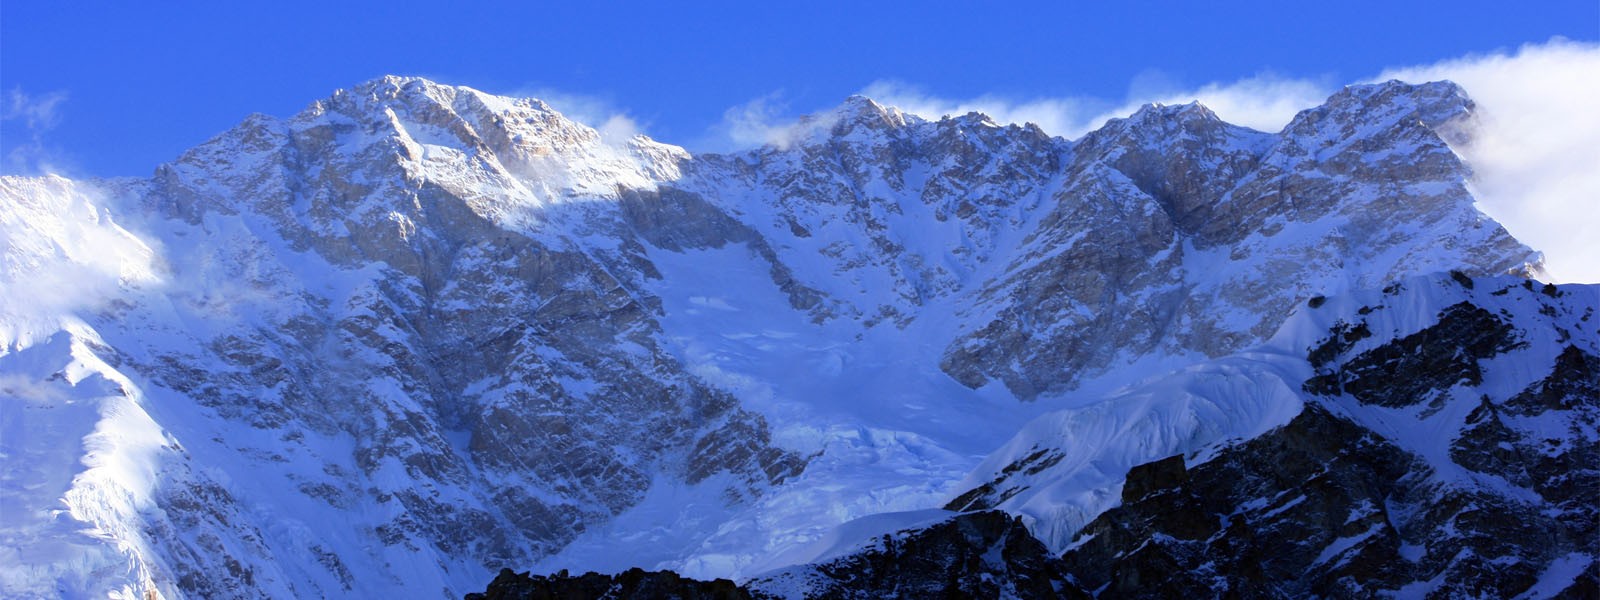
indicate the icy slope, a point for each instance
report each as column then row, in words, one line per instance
column 1065, row 468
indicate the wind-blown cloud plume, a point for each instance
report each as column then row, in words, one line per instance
column 1068, row 117
column 61, row 251
column 1265, row 102
column 763, row 121
column 34, row 115
column 614, row 124
column 1535, row 149
column 1536, row 146
column 37, row 112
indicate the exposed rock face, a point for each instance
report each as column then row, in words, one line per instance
column 975, row 555
column 529, row 349
column 902, row 211
column 1169, row 232
column 634, row 583
column 1218, row 230
column 1414, row 368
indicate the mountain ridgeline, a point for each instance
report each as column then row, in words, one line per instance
column 417, row 334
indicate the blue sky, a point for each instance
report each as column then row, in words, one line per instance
column 117, row 88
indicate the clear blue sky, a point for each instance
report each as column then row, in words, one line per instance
column 142, row 81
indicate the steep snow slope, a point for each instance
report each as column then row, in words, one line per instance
column 79, row 455
column 418, row 332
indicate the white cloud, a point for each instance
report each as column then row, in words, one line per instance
column 61, row 251
column 1535, row 153
column 35, row 115
column 1068, row 117
column 36, row 112
column 763, row 121
column 619, row 128
column 1264, row 102
column 759, row 121
column 1536, row 148
column 614, row 124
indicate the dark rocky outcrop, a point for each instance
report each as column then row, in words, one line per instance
column 975, row 555
column 1409, row 370
column 1350, row 501
column 633, row 583
column 1320, row 508
column 989, row 494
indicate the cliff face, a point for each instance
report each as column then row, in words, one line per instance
column 1178, row 234
column 425, row 332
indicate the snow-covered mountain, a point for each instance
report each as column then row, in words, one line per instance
column 417, row 333
column 1437, row 438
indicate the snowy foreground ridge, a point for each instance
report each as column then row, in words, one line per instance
column 417, row 333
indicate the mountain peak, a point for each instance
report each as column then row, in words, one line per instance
column 861, row 110
column 419, row 93
column 1160, row 124
column 1189, row 112
column 861, row 103
column 1441, row 89
column 395, row 87
column 396, row 81
column 1433, row 103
